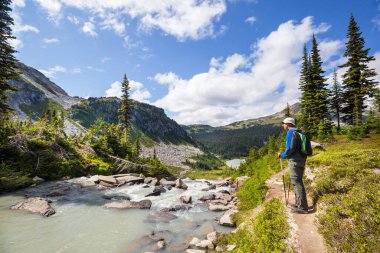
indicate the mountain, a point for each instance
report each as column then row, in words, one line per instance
column 236, row 139
column 148, row 122
column 36, row 94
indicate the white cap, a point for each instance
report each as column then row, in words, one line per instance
column 290, row 121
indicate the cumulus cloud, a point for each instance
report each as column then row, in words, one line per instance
column 89, row 28
column 250, row 20
column 73, row 19
column 138, row 92
column 18, row 3
column 190, row 19
column 242, row 86
column 16, row 44
column 19, row 27
column 50, row 40
column 330, row 48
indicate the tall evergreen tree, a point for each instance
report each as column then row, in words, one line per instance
column 287, row 110
column 306, row 92
column 8, row 68
column 336, row 98
column 320, row 92
column 125, row 107
column 358, row 81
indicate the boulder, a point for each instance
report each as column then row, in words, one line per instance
column 225, row 182
column 211, row 187
column 105, row 184
column 157, row 191
column 223, row 196
column 165, row 182
column 194, row 241
column 115, row 196
column 161, row 244
column 175, row 208
column 126, row 204
column 35, row 205
column 59, row 192
column 194, row 251
column 219, row 202
column 38, row 179
column 216, row 208
column 226, row 219
column 129, row 179
column 185, row 199
column 207, row 197
column 180, row 184
column 212, row 237
column 107, row 179
column 151, row 180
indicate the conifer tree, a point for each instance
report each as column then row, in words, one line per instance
column 336, row 98
column 125, row 107
column 319, row 103
column 287, row 110
column 358, row 80
column 306, row 92
column 8, row 68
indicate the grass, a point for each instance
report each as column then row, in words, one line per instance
column 267, row 232
column 347, row 189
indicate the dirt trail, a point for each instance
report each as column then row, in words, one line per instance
column 304, row 232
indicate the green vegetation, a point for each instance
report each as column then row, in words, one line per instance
column 206, row 161
column 230, row 143
column 266, row 232
column 347, row 191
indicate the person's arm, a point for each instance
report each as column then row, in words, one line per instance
column 289, row 150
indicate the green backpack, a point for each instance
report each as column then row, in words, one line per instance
column 305, row 144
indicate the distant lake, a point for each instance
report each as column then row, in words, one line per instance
column 234, row 163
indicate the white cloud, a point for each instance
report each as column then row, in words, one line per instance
column 250, row 20
column 19, row 27
column 16, row 44
column 330, row 48
column 18, row 3
column 138, row 92
column 191, row 19
column 51, row 72
column 376, row 65
column 105, row 59
column 73, row 19
column 89, row 28
column 242, row 86
column 50, row 40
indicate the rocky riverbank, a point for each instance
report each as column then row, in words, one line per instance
column 106, row 192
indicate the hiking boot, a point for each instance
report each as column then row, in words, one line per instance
column 299, row 210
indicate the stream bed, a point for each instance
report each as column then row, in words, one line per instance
column 82, row 224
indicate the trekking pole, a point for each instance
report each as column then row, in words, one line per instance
column 283, row 182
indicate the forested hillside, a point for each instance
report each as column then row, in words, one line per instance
column 236, row 142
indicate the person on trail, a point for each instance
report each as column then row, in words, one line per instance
column 297, row 161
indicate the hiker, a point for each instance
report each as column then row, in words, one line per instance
column 297, row 162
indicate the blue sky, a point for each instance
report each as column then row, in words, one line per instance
column 211, row 62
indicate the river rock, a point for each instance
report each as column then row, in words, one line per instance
column 226, row 219
column 59, row 192
column 126, row 204
column 108, row 179
column 175, row 208
column 185, row 199
column 105, row 184
column 194, row 241
column 35, row 205
column 167, row 183
column 207, row 197
column 194, row 251
column 38, row 179
column 151, row 180
column 180, row 184
column 161, row 244
column 129, row 179
column 211, row 187
column 116, row 196
column 219, row 202
column 212, row 237
column 225, row 182
column 216, row 208
column 160, row 217
column 223, row 196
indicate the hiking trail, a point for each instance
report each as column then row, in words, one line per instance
column 304, row 235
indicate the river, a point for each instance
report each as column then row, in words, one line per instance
column 234, row 163
column 82, row 224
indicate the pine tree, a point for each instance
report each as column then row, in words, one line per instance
column 125, row 107
column 358, row 81
column 336, row 98
column 287, row 110
column 320, row 92
column 8, row 68
column 306, row 92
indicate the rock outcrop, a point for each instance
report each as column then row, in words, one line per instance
column 35, row 205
